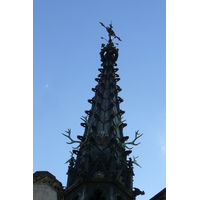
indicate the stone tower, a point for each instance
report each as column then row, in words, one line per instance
column 99, row 168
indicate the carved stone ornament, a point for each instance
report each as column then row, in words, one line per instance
column 121, row 180
column 102, row 137
column 99, row 174
column 48, row 179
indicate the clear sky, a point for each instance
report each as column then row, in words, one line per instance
column 66, row 46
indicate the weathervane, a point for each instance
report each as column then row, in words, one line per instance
column 110, row 31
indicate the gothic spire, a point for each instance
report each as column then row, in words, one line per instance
column 101, row 156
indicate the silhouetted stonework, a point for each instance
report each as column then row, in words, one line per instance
column 101, row 169
column 160, row 196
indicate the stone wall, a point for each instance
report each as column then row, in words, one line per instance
column 43, row 192
column 46, row 186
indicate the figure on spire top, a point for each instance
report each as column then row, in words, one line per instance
column 110, row 32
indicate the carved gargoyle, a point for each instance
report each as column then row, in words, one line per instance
column 138, row 192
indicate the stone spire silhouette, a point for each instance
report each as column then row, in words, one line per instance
column 101, row 169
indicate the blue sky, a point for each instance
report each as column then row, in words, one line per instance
column 66, row 46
